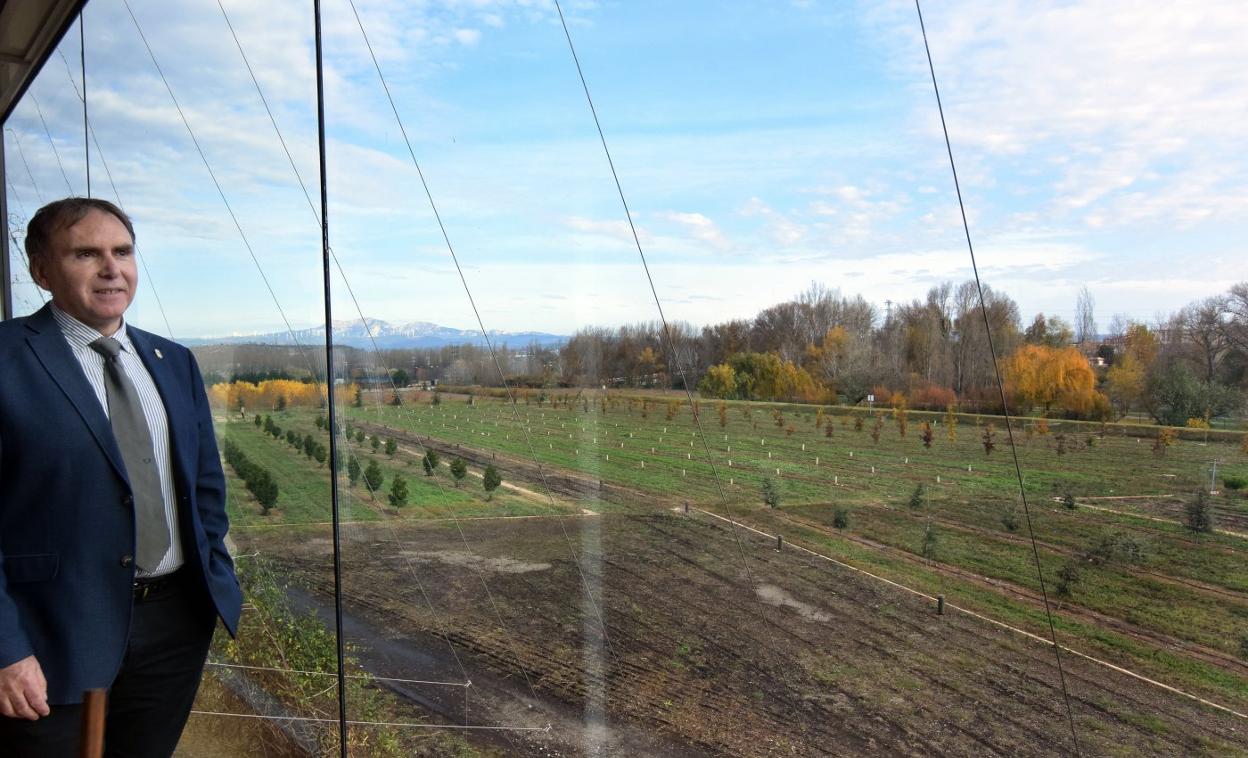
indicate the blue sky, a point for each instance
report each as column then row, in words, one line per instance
column 761, row 146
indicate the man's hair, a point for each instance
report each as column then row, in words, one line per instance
column 62, row 214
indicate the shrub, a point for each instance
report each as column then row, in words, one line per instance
column 398, row 492
column 459, row 470
column 430, row 462
column 932, row 398
column 373, row 478
column 1233, row 482
column 917, row 498
column 840, row 518
column 1009, row 518
column 1199, row 513
column 392, row 447
column 491, row 480
column 353, row 470
column 771, row 493
column 1068, row 500
column 1067, row 577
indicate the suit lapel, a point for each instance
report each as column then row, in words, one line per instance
column 51, row 349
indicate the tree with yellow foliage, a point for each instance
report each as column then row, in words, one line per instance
column 1052, row 378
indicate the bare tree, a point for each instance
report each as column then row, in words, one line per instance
column 1085, row 321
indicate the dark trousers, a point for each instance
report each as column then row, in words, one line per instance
column 151, row 697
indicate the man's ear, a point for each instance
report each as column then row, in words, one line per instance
column 37, row 271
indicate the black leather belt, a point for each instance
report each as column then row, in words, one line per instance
column 146, row 588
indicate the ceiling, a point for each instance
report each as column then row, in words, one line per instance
column 29, row 32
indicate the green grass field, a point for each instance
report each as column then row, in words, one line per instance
column 1179, row 591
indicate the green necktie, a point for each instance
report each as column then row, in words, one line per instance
column 125, row 413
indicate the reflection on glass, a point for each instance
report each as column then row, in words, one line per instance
column 786, row 520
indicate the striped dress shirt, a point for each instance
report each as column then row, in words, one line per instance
column 80, row 336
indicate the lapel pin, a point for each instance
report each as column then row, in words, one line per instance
column 159, row 354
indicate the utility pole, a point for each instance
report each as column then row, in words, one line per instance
column 1213, row 478
column 888, row 311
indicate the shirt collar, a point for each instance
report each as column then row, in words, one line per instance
column 78, row 334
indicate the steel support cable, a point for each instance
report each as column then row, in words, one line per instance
column 212, row 174
column 326, row 283
column 24, row 217
column 376, row 349
column 302, row 348
column 90, row 130
column 86, row 125
column 1005, row 411
column 52, row 142
column 17, row 140
column 673, row 360
column 484, row 334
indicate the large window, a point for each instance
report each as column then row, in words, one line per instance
column 758, row 466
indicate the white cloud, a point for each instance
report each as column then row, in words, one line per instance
column 1102, row 93
column 468, row 37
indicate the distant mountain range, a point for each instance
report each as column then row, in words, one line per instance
column 418, row 334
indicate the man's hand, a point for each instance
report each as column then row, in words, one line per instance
column 23, row 690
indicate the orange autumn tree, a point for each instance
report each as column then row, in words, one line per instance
column 1039, row 375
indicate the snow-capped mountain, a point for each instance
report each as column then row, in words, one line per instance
column 421, row 334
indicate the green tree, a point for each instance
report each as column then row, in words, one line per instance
column 359, row 436
column 917, row 498
column 1173, row 394
column 319, row 453
column 353, row 470
column 490, row 481
column 259, row 423
column 398, row 492
column 771, row 493
column 392, row 447
column 309, row 445
column 840, row 518
column 373, row 478
column 459, row 470
column 429, row 462
column 1199, row 513
column 357, row 398
column 719, row 381
column 1067, row 577
column 265, row 490
column 395, row 400
column 376, row 442
column 399, row 377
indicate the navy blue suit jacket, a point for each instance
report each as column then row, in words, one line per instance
column 66, row 523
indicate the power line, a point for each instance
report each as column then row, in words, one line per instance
column 51, row 142
column 376, row 350
column 1018, row 470
column 481, row 324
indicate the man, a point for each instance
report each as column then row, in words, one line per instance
column 113, row 567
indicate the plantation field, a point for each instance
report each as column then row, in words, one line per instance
column 1150, row 596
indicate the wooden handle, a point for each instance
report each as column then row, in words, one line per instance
column 93, row 703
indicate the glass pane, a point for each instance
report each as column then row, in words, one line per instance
column 784, row 513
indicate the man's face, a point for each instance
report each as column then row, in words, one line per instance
column 90, row 270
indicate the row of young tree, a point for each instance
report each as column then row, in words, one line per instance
column 255, row 477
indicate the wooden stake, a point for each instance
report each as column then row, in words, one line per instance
column 93, row 707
